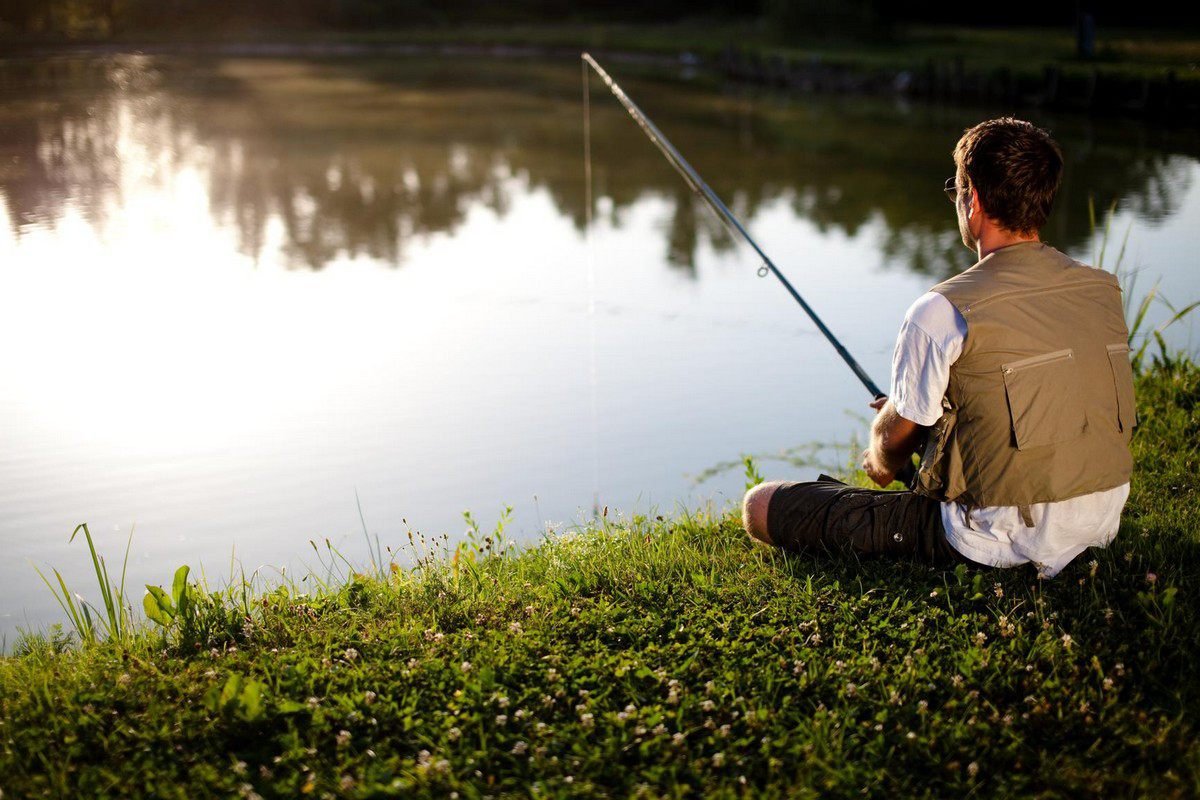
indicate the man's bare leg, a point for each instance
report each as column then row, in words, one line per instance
column 754, row 512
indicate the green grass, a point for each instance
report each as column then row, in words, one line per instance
column 652, row 657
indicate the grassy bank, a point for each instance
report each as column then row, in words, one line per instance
column 653, row 657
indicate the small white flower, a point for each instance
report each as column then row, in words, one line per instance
column 718, row 759
column 351, row 654
column 343, row 738
column 453, row 734
column 519, row 748
column 501, row 719
column 466, row 666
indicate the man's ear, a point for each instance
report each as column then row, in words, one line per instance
column 972, row 202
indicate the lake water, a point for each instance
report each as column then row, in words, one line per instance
column 236, row 293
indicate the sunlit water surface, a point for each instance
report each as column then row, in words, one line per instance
column 236, row 294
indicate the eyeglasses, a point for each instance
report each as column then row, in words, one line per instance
column 952, row 190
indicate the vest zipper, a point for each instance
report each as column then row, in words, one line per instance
column 1034, row 361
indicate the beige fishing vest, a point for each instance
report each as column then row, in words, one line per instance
column 1040, row 404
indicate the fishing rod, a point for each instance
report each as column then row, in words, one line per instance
column 697, row 185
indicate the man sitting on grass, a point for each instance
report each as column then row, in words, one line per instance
column 1015, row 378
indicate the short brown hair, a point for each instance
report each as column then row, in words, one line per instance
column 1016, row 168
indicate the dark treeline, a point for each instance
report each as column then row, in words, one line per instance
column 790, row 18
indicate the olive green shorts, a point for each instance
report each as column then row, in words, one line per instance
column 826, row 513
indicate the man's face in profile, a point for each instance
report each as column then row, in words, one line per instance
column 961, row 203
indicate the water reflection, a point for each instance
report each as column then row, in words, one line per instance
column 353, row 159
column 240, row 293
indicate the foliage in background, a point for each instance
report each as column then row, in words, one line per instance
column 805, row 19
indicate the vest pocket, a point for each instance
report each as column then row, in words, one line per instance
column 1045, row 399
column 1122, row 371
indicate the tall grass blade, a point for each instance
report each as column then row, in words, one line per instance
column 67, row 603
column 106, row 589
column 126, row 620
column 375, row 555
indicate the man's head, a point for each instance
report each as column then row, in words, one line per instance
column 1008, row 170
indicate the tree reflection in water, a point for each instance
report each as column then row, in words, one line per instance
column 357, row 157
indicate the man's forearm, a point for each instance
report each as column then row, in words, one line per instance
column 893, row 438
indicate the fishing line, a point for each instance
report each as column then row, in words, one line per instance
column 697, row 185
column 591, row 284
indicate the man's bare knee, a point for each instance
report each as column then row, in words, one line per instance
column 754, row 510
